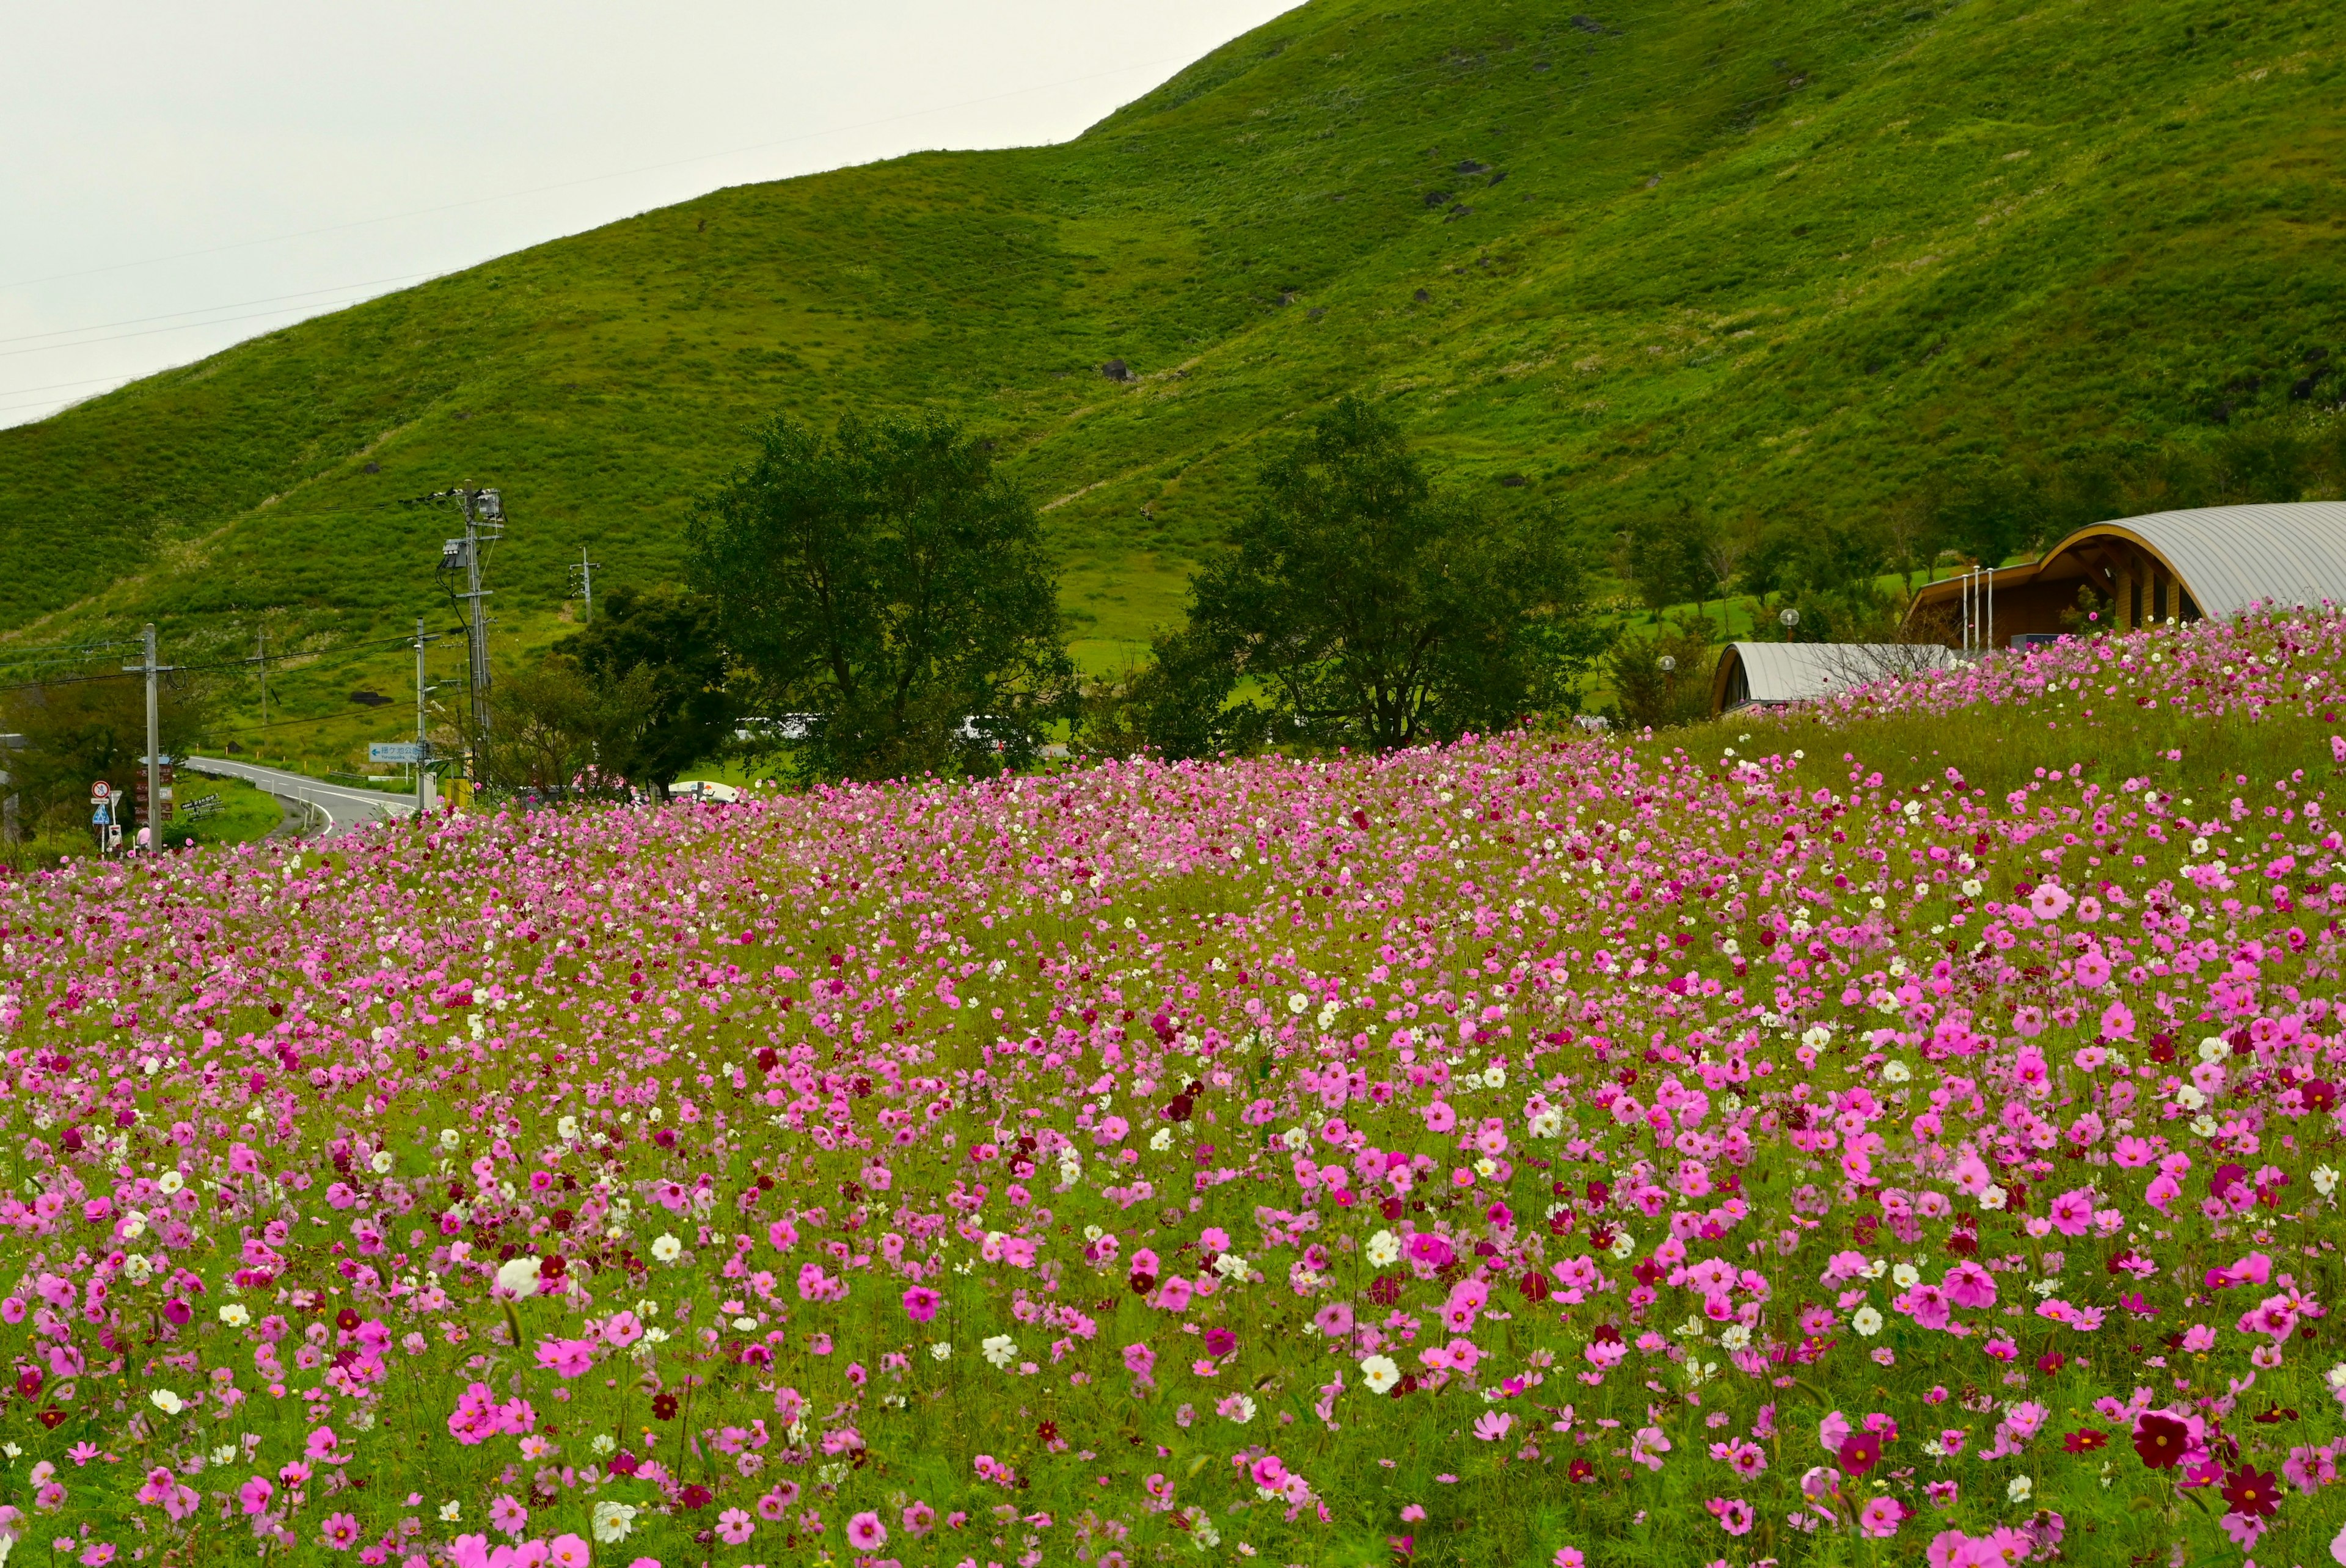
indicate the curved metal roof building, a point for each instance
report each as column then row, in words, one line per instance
column 1766, row 674
column 2165, row 565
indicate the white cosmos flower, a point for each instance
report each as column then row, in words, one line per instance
column 165, row 1400
column 2020, row 1487
column 941, row 1351
column 613, row 1519
column 1384, row 1249
column 234, row 1315
column 1866, row 1322
column 667, row 1249
column 999, row 1348
column 169, row 1182
column 1906, row 1277
column 2325, row 1180
column 520, row 1274
column 1380, row 1373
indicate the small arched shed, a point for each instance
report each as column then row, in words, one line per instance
column 2167, row 566
column 1766, row 674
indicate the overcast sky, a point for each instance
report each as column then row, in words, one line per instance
column 181, row 177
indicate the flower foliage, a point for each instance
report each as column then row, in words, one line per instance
column 1314, row 1158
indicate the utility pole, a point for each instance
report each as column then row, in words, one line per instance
column 582, row 579
column 423, row 747
column 263, row 661
column 484, row 520
column 150, row 669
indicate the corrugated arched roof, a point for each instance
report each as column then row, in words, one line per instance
column 1803, row 672
column 2230, row 557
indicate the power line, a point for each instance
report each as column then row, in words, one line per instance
column 588, row 179
column 54, row 386
column 204, row 309
column 184, row 326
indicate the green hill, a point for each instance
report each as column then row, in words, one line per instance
column 1777, row 253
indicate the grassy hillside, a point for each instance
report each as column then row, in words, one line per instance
column 1781, row 253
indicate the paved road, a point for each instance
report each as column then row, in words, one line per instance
column 343, row 808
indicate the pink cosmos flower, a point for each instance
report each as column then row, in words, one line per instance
column 734, row 1526
column 566, row 1358
column 507, row 1515
column 866, row 1532
column 920, row 1303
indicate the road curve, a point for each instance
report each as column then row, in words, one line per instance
column 344, row 808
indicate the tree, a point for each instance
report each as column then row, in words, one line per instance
column 887, row 580
column 1367, row 606
column 1661, row 678
column 557, row 729
column 662, row 653
column 1675, row 557
column 76, row 731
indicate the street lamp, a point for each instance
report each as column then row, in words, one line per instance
column 1789, row 619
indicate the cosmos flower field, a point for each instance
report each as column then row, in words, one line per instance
column 1757, row 1143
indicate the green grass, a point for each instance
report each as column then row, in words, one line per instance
column 1777, row 256
column 247, row 812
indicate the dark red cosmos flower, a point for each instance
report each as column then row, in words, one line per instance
column 346, row 1320
column 1534, row 1286
column 28, row 1383
column 53, row 1418
column 1220, row 1342
column 552, row 1267
column 2085, row 1440
column 2252, row 1491
column 1604, row 1333
column 664, row 1406
column 1048, row 1431
column 1385, row 1289
column 2051, row 1362
column 1860, row 1453
column 695, row 1496
column 1142, row 1284
column 1581, row 1469
column 2160, row 1439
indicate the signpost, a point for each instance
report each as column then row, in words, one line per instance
column 408, row 752
column 101, row 815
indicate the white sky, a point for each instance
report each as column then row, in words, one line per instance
column 179, row 177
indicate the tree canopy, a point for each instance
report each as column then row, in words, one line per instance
column 1366, row 605
column 660, row 654
column 884, row 580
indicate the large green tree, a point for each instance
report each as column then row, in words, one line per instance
column 884, row 580
column 1368, row 606
column 660, row 655
column 75, row 732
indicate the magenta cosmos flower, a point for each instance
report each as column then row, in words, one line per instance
column 920, row 1303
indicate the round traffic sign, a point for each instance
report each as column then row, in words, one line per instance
column 100, row 790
